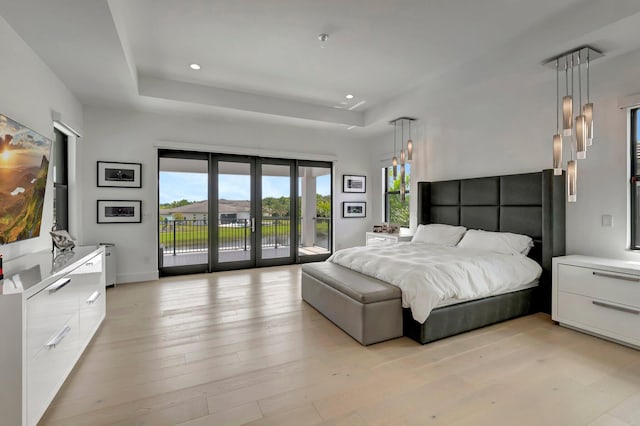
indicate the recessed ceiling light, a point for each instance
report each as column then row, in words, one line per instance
column 194, row 66
column 349, row 96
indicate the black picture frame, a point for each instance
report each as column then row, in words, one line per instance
column 354, row 209
column 354, row 184
column 119, row 175
column 119, row 211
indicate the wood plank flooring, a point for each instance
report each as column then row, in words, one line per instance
column 242, row 348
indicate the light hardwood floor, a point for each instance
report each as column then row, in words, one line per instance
column 241, row 347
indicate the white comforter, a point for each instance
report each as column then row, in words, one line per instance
column 428, row 274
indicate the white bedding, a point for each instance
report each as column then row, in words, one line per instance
column 429, row 274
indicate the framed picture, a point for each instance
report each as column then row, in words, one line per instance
column 119, row 175
column 354, row 209
column 119, row 211
column 354, row 183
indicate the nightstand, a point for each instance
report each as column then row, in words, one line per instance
column 598, row 296
column 381, row 238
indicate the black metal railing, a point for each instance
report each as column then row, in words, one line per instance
column 191, row 235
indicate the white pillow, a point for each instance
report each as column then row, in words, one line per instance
column 499, row 242
column 439, row 234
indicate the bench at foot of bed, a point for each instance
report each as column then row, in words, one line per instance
column 367, row 309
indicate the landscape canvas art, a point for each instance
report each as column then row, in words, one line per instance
column 24, row 164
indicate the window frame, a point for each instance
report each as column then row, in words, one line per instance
column 634, row 176
column 387, row 205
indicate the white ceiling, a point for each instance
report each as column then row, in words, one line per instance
column 261, row 59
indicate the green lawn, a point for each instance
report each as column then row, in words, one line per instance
column 195, row 236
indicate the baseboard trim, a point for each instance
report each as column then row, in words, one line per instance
column 137, row 277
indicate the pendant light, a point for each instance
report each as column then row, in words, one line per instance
column 410, row 143
column 402, row 163
column 587, row 110
column 572, row 181
column 567, row 104
column 557, row 138
column 583, row 130
column 405, row 155
column 394, row 162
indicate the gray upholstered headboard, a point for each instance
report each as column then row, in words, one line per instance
column 532, row 204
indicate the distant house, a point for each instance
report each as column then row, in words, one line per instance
column 228, row 210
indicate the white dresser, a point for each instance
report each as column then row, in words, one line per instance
column 50, row 308
column 381, row 238
column 598, row 296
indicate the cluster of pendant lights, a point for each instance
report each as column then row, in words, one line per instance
column 580, row 127
column 404, row 155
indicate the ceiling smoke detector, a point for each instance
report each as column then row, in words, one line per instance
column 323, row 39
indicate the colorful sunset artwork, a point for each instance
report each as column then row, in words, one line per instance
column 24, row 163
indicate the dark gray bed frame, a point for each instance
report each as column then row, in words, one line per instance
column 531, row 204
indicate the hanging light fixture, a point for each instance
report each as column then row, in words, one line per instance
column 410, row 144
column 587, row 109
column 567, row 103
column 557, row 138
column 583, row 130
column 394, row 161
column 405, row 155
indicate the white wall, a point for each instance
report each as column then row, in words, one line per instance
column 30, row 92
column 505, row 125
column 119, row 135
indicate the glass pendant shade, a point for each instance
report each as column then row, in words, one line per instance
column 402, row 157
column 572, row 180
column 557, row 154
column 567, row 115
column 394, row 163
column 581, row 137
column 587, row 110
column 410, row 150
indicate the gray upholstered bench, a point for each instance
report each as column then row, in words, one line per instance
column 368, row 309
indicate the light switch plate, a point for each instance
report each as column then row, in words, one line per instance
column 607, row 220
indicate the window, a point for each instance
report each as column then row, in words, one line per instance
column 60, row 181
column 635, row 178
column 396, row 210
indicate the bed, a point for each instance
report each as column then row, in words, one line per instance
column 531, row 204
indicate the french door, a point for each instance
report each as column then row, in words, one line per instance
column 257, row 212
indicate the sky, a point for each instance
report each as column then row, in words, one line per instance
column 176, row 186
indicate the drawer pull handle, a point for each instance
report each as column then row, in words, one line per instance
column 55, row 340
column 619, row 277
column 616, row 307
column 94, row 296
column 59, row 284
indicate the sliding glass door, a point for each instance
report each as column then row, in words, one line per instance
column 276, row 229
column 183, row 228
column 315, row 206
column 220, row 212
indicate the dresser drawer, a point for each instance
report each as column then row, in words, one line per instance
column 47, row 370
column 601, row 284
column 48, row 311
column 604, row 317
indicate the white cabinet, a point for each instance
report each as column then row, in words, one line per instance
column 50, row 308
column 381, row 238
column 598, row 296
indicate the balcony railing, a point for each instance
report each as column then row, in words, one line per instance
column 191, row 235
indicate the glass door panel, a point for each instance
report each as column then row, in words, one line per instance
column 275, row 231
column 314, row 211
column 183, row 214
column 235, row 219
